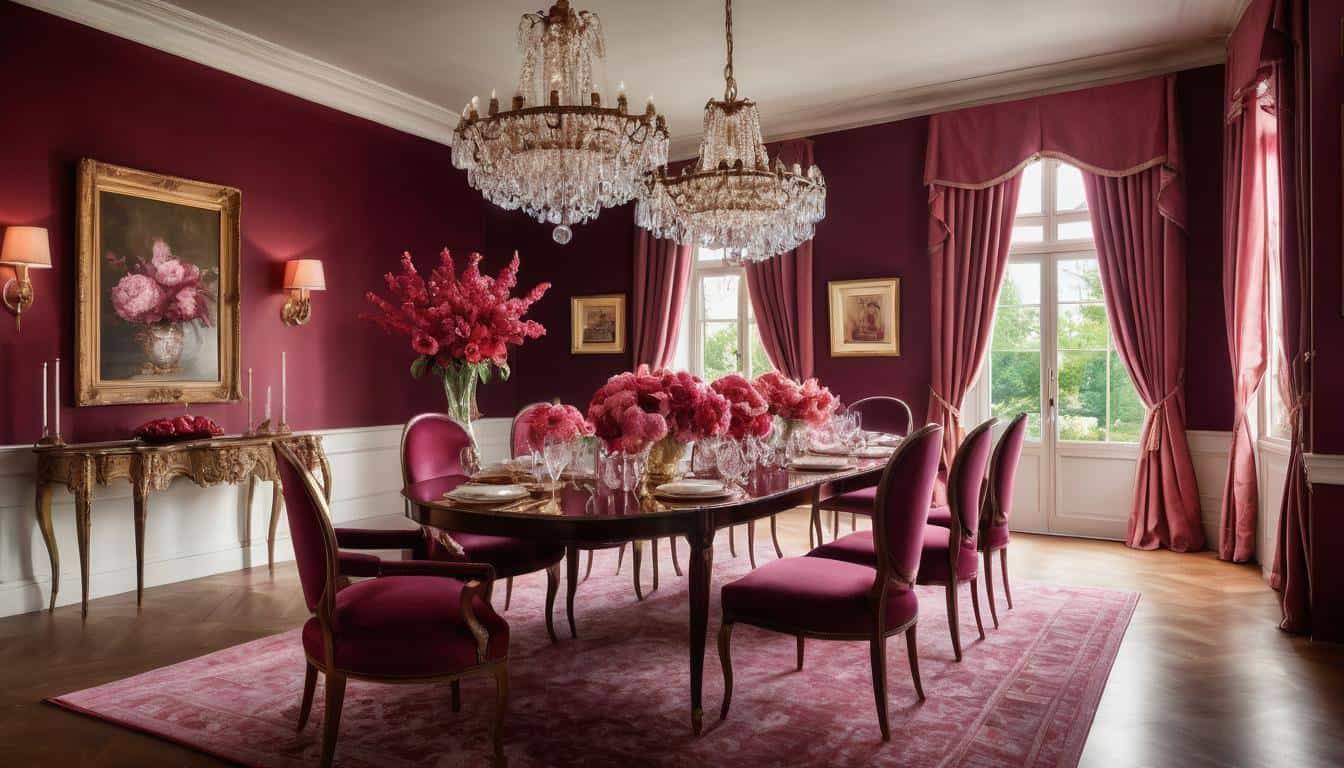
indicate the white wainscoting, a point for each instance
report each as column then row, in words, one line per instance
column 1272, row 472
column 191, row 532
column 1208, row 451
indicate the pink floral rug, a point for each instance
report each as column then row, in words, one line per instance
column 619, row 694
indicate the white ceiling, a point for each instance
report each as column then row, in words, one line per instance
column 811, row 66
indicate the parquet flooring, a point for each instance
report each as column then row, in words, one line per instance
column 1203, row 678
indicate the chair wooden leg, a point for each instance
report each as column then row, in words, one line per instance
column 951, row 594
column 853, row 522
column 620, row 558
column 1003, row 562
column 589, row 571
column 501, row 707
column 975, row 605
column 636, row 560
column 726, row 661
column 800, row 653
column 989, row 587
column 456, row 689
column 676, row 563
column 331, row 716
column 835, row 524
column 572, row 584
column 774, row 536
column 732, row 540
column 878, row 647
column 508, row 592
column 814, row 528
column 309, row 687
column 552, row 587
column 751, row 543
column 653, row 556
column 912, row 651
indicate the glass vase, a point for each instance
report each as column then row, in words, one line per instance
column 459, row 389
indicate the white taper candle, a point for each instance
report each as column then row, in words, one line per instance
column 45, row 390
column 267, row 415
column 249, row 400
column 284, row 388
column 56, row 399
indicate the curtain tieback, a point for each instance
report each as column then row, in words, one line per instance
column 952, row 409
column 1155, row 432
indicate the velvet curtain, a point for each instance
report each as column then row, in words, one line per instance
column 969, row 234
column 662, row 272
column 781, row 292
column 1138, row 225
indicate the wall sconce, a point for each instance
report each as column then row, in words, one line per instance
column 301, row 276
column 24, row 248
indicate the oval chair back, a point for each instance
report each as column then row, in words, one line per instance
column 315, row 550
column 902, row 504
column 882, row 413
column 1002, row 471
column 965, row 485
column 518, row 441
column 431, row 446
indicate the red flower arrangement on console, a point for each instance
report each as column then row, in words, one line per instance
column 460, row 325
column 558, row 422
column 749, row 412
column 177, row 428
column 632, row 411
column 808, row 402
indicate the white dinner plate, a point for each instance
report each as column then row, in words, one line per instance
column 876, row 452
column 821, row 463
column 692, row 489
column 479, row 493
column 883, row 438
column 830, row 449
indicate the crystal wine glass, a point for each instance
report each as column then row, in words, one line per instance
column 732, row 465
column 557, row 454
column 703, row 456
column 470, row 461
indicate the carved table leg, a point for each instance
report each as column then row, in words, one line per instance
column 43, row 507
column 572, row 584
column 701, row 543
column 636, row 560
column 277, row 502
column 83, row 518
column 141, row 500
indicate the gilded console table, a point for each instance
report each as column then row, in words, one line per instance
column 221, row 460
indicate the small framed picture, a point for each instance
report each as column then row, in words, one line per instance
column 866, row 317
column 597, row 324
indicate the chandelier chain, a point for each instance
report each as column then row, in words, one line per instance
column 730, row 82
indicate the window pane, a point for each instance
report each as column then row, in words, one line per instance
column 1078, row 280
column 1029, row 199
column 719, row 293
column 720, row 349
column 760, row 362
column 1082, row 326
column 708, row 254
column 1082, row 395
column 1017, row 328
column 1030, row 233
column 1127, row 409
column 1069, row 194
column 1075, row 230
column 1015, row 387
column 1021, row 284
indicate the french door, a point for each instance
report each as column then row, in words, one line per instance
column 1053, row 358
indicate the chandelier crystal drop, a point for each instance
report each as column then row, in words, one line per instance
column 731, row 198
column 557, row 153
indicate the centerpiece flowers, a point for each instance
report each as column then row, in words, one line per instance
column 798, row 405
column 563, row 423
column 461, row 326
column 749, row 413
column 159, row 296
column 658, row 411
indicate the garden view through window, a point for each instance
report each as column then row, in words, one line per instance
column 723, row 334
column 1051, row 310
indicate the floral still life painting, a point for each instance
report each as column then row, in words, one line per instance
column 158, row 288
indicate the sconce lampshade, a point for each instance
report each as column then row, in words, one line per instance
column 29, row 246
column 305, row 273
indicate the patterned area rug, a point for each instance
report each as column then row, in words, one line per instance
column 619, row 694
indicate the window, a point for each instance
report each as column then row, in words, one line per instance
column 1051, row 308
column 721, row 335
column 1275, row 418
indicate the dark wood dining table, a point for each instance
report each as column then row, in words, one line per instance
column 584, row 514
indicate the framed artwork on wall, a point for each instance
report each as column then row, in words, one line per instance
column 597, row 324
column 157, row 310
column 865, row 317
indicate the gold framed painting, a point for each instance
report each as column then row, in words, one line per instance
column 597, row 324
column 158, row 302
column 865, row 317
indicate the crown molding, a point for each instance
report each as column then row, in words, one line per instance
column 1324, row 468
column 1002, row 86
column 205, row 41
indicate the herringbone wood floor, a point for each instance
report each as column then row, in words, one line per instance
column 1203, row 678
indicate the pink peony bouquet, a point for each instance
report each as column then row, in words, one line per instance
column 634, row 410
column 808, row 402
column 163, row 289
column 559, row 422
column 749, row 412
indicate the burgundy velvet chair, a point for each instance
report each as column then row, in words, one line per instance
column 880, row 413
column 412, row 621
column 431, row 446
column 949, row 554
column 837, row 600
column 997, row 506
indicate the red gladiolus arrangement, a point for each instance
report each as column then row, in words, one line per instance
column 748, row 410
column 557, row 422
column 634, row 410
column 809, row 401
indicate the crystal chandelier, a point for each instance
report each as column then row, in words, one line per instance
column 730, row 198
column 557, row 153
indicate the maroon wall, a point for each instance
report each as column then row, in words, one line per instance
column 1208, row 370
column 876, row 225
column 316, row 183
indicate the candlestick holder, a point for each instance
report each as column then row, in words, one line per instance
column 51, row 440
column 262, row 428
column 282, row 429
